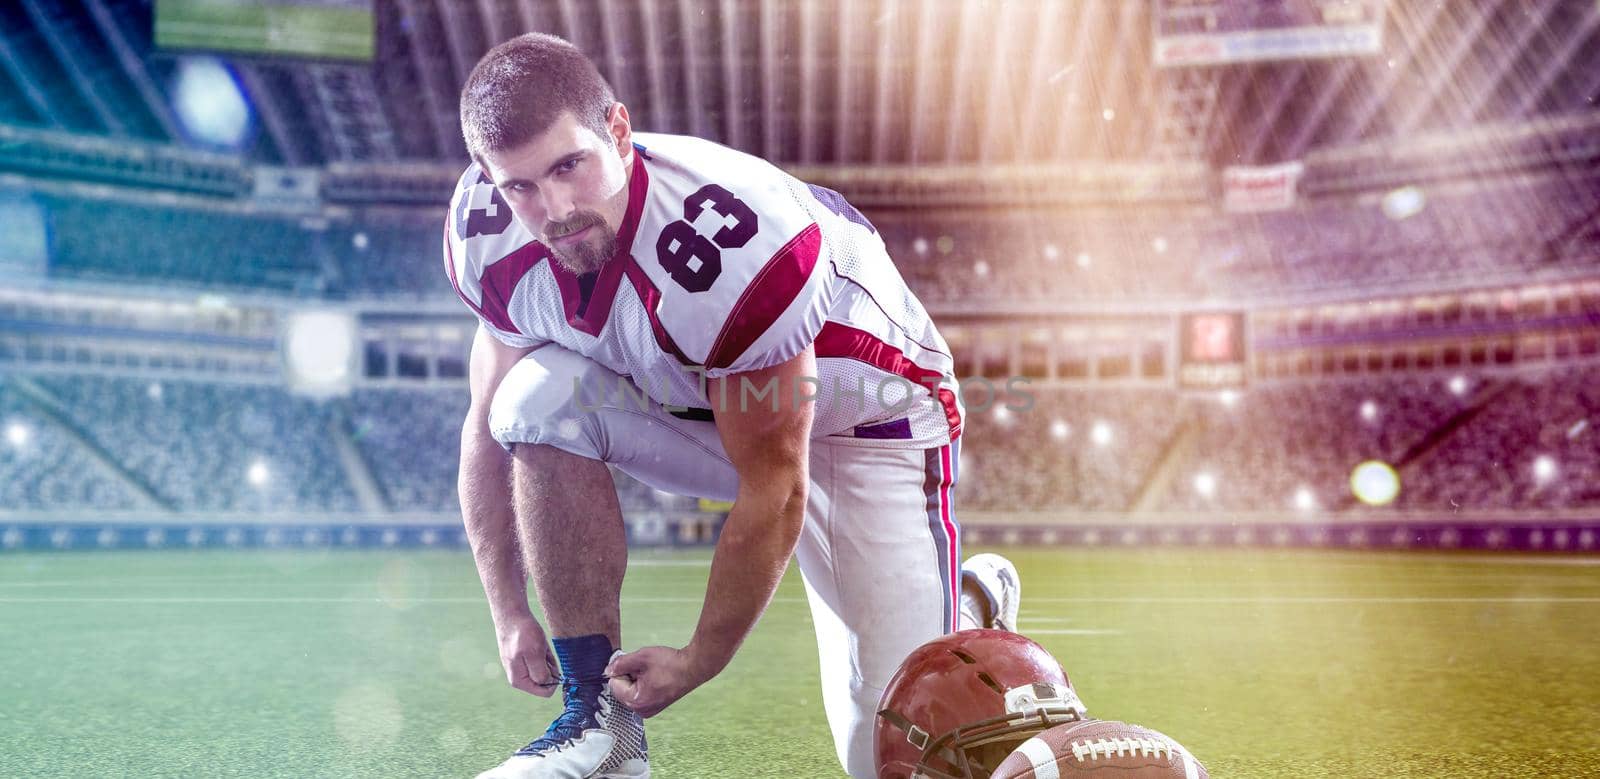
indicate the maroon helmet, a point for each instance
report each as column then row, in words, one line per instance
column 960, row 703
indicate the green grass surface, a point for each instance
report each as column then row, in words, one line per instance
column 343, row 664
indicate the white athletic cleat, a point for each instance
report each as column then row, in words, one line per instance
column 997, row 579
column 596, row 737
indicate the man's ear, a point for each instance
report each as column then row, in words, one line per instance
column 621, row 129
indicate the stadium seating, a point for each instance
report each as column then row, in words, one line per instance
column 196, row 445
column 46, row 469
column 1061, row 449
column 114, row 240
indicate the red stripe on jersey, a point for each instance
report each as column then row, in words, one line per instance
column 650, row 297
column 947, row 474
column 593, row 317
column 498, row 281
column 838, row 340
column 769, row 294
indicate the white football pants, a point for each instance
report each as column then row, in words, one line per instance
column 879, row 552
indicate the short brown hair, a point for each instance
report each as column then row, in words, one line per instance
column 519, row 88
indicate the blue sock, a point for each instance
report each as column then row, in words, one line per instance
column 583, row 658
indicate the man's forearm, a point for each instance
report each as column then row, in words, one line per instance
column 757, row 540
column 484, row 485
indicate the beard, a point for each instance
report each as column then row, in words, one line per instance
column 587, row 255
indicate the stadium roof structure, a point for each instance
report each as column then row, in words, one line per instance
column 833, row 82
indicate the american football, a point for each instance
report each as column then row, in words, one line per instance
column 1100, row 748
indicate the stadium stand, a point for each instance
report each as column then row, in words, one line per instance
column 389, row 258
column 46, row 469
column 116, row 240
column 411, row 438
column 1513, row 441
column 198, row 445
column 1532, row 448
column 1088, row 449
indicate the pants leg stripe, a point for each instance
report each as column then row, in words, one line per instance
column 939, row 476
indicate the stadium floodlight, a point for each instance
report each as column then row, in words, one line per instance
column 319, row 352
column 360, row 241
column 1060, row 430
column 1205, row 484
column 1544, row 469
column 1228, row 397
column 1002, row 416
column 209, row 103
column 17, row 434
column 258, row 474
column 1084, row 260
column 1108, row 114
column 920, row 245
column 1100, row 434
column 981, row 268
column 1375, row 483
column 154, row 391
column 1458, row 385
column 1369, row 411
column 1051, row 252
column 1159, row 245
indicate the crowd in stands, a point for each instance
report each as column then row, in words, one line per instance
column 1266, row 446
column 211, row 447
column 44, row 469
column 117, row 240
column 1482, row 233
column 1533, row 447
column 1086, row 448
column 389, row 258
column 1510, row 441
column 990, row 258
column 411, row 438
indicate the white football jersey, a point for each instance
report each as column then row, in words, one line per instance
column 725, row 264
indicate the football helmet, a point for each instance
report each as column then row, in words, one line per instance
column 962, row 702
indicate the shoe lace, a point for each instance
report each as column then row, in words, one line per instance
column 582, row 701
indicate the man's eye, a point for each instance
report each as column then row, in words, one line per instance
column 568, row 166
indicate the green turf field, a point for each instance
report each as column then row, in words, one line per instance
column 373, row 664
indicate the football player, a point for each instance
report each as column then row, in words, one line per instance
column 713, row 327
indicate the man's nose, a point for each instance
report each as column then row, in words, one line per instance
column 557, row 204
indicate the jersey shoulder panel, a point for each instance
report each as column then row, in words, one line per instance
column 487, row 253
column 733, row 252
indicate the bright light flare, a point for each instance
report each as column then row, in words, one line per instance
column 1404, row 203
column 1100, row 434
column 1375, row 483
column 18, row 434
column 1544, row 469
column 1305, row 499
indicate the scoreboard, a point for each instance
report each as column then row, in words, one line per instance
column 1213, row 350
column 316, row 29
column 1211, row 32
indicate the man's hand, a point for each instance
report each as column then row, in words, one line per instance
column 653, row 678
column 526, row 657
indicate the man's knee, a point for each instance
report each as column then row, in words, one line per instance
column 549, row 398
